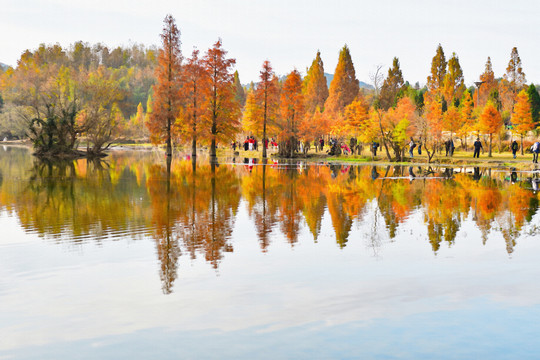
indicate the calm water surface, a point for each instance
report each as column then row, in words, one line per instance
column 134, row 258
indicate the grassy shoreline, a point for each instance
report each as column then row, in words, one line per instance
column 460, row 158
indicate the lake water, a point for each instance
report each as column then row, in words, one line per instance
column 134, row 258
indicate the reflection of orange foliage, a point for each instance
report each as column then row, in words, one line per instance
column 192, row 210
column 518, row 203
column 489, row 200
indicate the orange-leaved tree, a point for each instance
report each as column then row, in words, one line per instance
column 396, row 126
column 487, row 78
column 266, row 95
column 344, row 86
column 434, row 121
column 468, row 123
column 195, row 92
column 453, row 81
column 315, row 88
column 167, row 101
column 452, row 120
column 490, row 122
column 435, row 82
column 522, row 116
column 292, row 113
column 356, row 116
column 222, row 118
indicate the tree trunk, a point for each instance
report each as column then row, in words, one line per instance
column 169, row 142
column 490, row 142
column 213, row 147
column 521, row 144
column 383, row 139
column 264, row 124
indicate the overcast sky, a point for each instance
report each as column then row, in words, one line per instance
column 289, row 32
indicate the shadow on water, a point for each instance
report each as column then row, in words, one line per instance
column 189, row 206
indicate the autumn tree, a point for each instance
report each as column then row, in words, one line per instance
column 136, row 122
column 468, row 124
column 391, row 86
column 252, row 114
column 396, row 126
column 266, row 94
column 344, row 86
column 262, row 105
column 453, row 81
column 195, row 94
column 452, row 120
column 292, row 112
column 100, row 115
column 534, row 100
column 488, row 83
column 356, row 118
column 514, row 72
column 222, row 117
column 167, row 100
column 490, row 122
column 315, row 87
column 522, row 117
column 240, row 93
column 435, row 82
column 434, row 123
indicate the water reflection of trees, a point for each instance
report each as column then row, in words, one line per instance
column 190, row 208
column 74, row 200
column 445, row 197
column 194, row 207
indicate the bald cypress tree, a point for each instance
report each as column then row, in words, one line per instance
column 391, row 86
column 240, row 94
column 167, row 101
column 344, row 87
column 435, row 81
column 534, row 99
column 514, row 72
column 315, row 88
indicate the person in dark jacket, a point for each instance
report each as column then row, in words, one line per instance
column 451, row 147
column 477, row 146
column 515, row 148
column 374, row 147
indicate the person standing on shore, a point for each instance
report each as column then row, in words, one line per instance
column 412, row 145
column 535, row 149
column 477, row 146
column 515, row 148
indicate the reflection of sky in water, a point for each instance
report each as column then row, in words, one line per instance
column 392, row 298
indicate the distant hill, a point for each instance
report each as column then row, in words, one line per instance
column 363, row 85
column 3, row 66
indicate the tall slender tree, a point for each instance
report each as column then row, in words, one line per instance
column 195, row 94
column 391, row 86
column 266, row 93
column 522, row 117
column 514, row 72
column 435, row 81
column 488, row 83
column 490, row 122
column 292, row 112
column 239, row 90
column 167, row 100
column 222, row 118
column 315, row 87
column 453, row 81
column 534, row 99
column 344, row 86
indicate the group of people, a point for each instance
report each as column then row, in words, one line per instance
column 337, row 147
column 251, row 144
